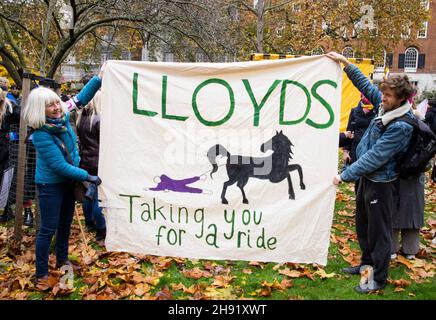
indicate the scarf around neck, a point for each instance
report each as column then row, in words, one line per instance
column 56, row 125
column 387, row 117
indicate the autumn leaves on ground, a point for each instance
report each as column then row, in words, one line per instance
column 113, row 275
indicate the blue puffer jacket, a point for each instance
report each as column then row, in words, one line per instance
column 377, row 153
column 51, row 164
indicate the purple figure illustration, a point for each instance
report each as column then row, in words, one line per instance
column 165, row 183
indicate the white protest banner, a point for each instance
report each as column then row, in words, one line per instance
column 221, row 160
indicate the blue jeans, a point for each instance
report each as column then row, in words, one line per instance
column 91, row 210
column 56, row 202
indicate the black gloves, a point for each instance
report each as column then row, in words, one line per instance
column 94, row 179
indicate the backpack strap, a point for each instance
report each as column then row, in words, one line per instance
column 413, row 122
column 417, row 124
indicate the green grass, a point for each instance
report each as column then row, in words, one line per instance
column 243, row 285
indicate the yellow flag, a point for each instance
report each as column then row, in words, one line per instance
column 350, row 95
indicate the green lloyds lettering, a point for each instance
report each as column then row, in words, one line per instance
column 195, row 106
column 135, row 99
column 324, row 103
column 257, row 106
column 165, row 115
column 283, row 99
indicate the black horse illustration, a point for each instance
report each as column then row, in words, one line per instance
column 274, row 168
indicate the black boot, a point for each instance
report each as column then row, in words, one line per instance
column 100, row 234
column 28, row 217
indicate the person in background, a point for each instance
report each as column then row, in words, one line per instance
column 8, row 115
column 358, row 122
column 56, row 169
column 408, row 219
column 88, row 131
column 4, row 82
column 345, row 139
column 14, row 95
column 430, row 120
column 13, row 125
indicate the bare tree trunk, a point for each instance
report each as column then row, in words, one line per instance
column 260, row 25
column 15, row 242
column 45, row 34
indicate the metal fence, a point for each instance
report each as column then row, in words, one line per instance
column 30, row 166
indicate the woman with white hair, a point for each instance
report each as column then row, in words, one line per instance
column 57, row 161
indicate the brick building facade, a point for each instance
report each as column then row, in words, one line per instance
column 417, row 59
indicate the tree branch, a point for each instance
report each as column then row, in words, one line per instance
column 12, row 42
column 248, row 8
column 277, row 6
column 10, row 67
column 9, row 56
column 22, row 27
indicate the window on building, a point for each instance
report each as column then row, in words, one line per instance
column 325, row 26
column 343, row 32
column 168, row 57
column 233, row 13
column 380, row 66
column 296, row 7
column 104, row 57
column 280, row 30
column 422, row 33
column 348, row 52
column 317, row 51
column 126, row 55
column 411, row 60
column 405, row 32
column 425, row 4
column 200, row 57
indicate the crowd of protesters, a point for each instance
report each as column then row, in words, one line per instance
column 65, row 132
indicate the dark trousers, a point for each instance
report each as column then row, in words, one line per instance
column 56, row 201
column 93, row 213
column 374, row 205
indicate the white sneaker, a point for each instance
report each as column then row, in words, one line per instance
column 434, row 240
column 410, row 256
column 393, row 256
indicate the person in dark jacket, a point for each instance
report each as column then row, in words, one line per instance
column 14, row 95
column 377, row 168
column 408, row 219
column 88, row 131
column 11, row 129
column 430, row 119
column 358, row 122
column 8, row 115
column 56, row 169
